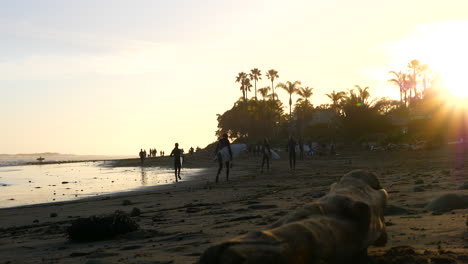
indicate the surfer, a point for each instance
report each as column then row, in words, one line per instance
column 292, row 153
column 223, row 154
column 266, row 154
column 177, row 154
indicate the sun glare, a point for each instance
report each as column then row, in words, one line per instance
column 443, row 47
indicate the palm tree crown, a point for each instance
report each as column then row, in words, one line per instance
column 255, row 74
column 290, row 88
column 305, row 93
column 241, row 78
column 272, row 75
column 264, row 91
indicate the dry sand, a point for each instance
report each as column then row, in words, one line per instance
column 178, row 222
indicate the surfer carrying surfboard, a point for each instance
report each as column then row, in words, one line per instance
column 223, row 154
column 177, row 154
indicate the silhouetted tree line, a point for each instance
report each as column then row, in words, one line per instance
column 351, row 115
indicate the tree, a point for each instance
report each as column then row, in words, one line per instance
column 416, row 67
column 290, row 88
column 425, row 70
column 305, row 93
column 336, row 98
column 255, row 74
column 401, row 81
column 247, row 86
column 272, row 75
column 264, row 91
column 241, row 76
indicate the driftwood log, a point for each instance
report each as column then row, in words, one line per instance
column 337, row 228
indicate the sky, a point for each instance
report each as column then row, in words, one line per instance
column 111, row 76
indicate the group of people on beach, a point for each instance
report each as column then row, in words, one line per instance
column 224, row 155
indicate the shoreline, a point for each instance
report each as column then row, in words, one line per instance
column 179, row 222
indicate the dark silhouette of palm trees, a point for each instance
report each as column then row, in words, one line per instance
column 272, row 75
column 264, row 92
column 336, row 98
column 255, row 74
column 305, row 93
column 241, row 78
column 401, row 80
column 416, row 67
column 291, row 88
column 247, row 86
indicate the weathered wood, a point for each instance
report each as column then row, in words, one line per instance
column 337, row 228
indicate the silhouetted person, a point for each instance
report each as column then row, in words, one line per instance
column 177, row 153
column 223, row 154
column 292, row 153
column 301, row 149
column 142, row 156
column 266, row 154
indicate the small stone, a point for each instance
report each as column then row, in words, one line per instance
column 126, row 202
column 419, row 181
column 53, row 215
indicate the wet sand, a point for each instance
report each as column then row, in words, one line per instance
column 179, row 222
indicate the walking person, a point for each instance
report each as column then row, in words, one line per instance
column 266, row 154
column 292, row 153
column 142, row 156
column 223, row 154
column 177, row 154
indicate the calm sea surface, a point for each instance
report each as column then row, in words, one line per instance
column 33, row 184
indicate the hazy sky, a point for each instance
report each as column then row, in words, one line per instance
column 111, row 77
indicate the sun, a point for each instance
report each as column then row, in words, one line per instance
column 443, row 47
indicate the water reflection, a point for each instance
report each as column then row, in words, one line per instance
column 144, row 177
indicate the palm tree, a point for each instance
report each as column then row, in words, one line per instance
column 416, row 67
column 240, row 79
column 255, row 74
column 400, row 80
column 247, row 86
column 336, row 98
column 272, row 75
column 425, row 70
column 290, row 88
column 264, row 91
column 363, row 95
column 305, row 93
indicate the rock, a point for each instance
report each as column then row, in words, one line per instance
column 418, row 189
column 419, row 181
column 36, row 221
column 101, row 227
column 448, row 202
column 126, row 202
column 135, row 212
column 53, row 215
column 464, row 186
column 64, row 182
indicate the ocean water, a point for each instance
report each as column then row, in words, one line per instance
column 34, row 184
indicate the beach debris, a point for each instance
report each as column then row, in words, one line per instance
column 135, row 212
column 105, row 227
column 448, row 202
column 419, row 181
column 65, row 182
column 336, row 228
column 126, row 202
column 464, row 186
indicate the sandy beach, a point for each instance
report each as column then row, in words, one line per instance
column 178, row 222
